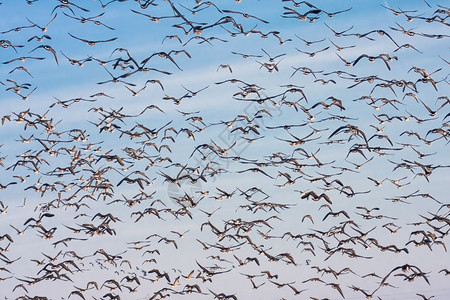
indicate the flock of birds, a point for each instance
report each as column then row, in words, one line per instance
column 296, row 167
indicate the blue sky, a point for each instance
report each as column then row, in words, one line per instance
column 218, row 104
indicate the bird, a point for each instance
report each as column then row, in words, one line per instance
column 371, row 59
column 93, row 43
column 47, row 48
column 246, row 55
column 255, row 170
column 43, row 29
column 245, row 15
column 341, row 48
column 309, row 43
column 312, row 54
column 338, row 33
column 225, row 67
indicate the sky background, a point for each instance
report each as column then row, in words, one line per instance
column 218, row 103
